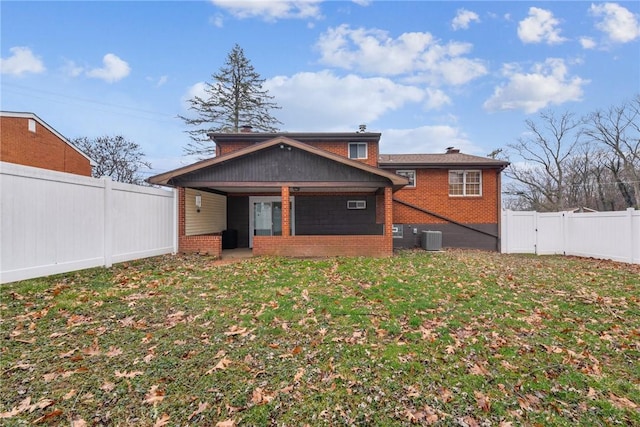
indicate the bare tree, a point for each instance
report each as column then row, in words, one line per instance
column 234, row 99
column 546, row 151
column 618, row 129
column 115, row 157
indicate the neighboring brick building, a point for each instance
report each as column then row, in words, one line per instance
column 27, row 140
column 319, row 194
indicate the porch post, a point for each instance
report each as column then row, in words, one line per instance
column 388, row 212
column 286, row 213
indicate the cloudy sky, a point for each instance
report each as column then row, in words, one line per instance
column 426, row 74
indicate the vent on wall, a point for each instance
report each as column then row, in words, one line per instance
column 356, row 204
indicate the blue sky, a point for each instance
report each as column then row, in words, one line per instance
column 426, row 74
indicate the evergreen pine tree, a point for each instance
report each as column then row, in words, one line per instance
column 234, row 99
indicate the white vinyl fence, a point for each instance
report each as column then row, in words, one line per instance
column 603, row 235
column 53, row 222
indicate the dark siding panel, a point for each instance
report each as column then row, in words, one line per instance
column 328, row 215
column 281, row 165
column 238, row 218
column 453, row 236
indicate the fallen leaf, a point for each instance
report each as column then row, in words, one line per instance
column 68, row 353
column 108, row 386
column 154, row 395
column 93, row 350
column 621, row 402
column 69, row 395
column 47, row 417
column 201, row 408
column 483, row 401
column 220, row 366
column 162, row 421
column 78, row 422
column 299, row 374
column 226, row 423
column 114, row 351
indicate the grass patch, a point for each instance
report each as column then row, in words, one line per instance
column 453, row 338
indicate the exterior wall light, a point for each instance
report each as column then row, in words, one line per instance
column 198, row 202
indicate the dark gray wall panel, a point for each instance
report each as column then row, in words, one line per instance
column 238, row 218
column 328, row 215
column 281, row 165
column 453, row 236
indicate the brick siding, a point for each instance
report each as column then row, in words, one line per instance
column 432, row 193
column 323, row 246
column 41, row 149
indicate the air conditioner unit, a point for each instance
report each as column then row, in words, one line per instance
column 432, row 240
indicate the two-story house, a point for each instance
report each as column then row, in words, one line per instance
column 322, row 194
column 28, row 140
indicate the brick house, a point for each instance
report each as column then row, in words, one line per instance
column 28, row 140
column 323, row 194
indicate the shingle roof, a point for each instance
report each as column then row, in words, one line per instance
column 438, row 160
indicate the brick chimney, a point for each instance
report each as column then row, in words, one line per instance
column 452, row 150
column 246, row 129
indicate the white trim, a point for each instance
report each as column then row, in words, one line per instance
column 464, row 182
column 258, row 199
column 366, row 150
column 415, row 177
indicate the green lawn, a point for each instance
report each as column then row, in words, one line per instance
column 455, row 338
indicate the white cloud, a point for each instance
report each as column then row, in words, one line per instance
column 417, row 55
column 463, row 19
column 198, row 90
column 271, row 10
column 113, row 69
column 436, row 99
column 547, row 83
column 158, row 81
column 323, row 101
column 72, row 69
column 425, row 139
column 217, row 21
column 618, row 23
column 21, row 61
column 540, row 27
column 587, row 43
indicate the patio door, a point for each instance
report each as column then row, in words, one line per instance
column 265, row 217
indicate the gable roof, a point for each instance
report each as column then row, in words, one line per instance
column 24, row 115
column 453, row 159
column 167, row 177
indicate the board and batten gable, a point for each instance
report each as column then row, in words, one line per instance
column 212, row 217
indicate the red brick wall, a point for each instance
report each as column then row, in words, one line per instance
column 210, row 244
column 322, row 246
column 42, row 149
column 432, row 193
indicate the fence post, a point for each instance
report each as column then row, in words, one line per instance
column 108, row 222
column 176, row 207
column 631, row 234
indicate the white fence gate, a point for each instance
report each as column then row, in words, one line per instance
column 604, row 235
column 54, row 222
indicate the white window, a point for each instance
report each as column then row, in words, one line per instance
column 356, row 204
column 409, row 174
column 357, row 150
column 465, row 183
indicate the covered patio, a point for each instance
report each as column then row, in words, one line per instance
column 286, row 198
